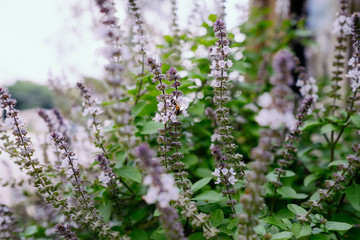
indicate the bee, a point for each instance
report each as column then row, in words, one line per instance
column 176, row 107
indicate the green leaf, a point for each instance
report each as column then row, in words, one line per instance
column 311, row 124
column 120, row 157
column 301, row 230
column 197, row 236
column 282, row 236
column 212, row 17
column 130, row 173
column 337, row 226
column 296, row 209
column 138, row 214
column 289, row 193
column 309, row 179
column 327, row 128
column 203, row 172
column 260, row 229
column 337, row 162
column 353, row 195
column 274, row 221
column 233, row 223
column 137, row 108
column 158, row 235
column 190, row 160
column 210, row 195
column 319, row 237
column 156, row 213
column 151, row 127
column 199, row 184
column 30, row 231
column 168, row 38
column 287, row 223
column 105, row 210
column 271, row 176
column 285, row 213
column 216, row 217
column 138, row 235
column 356, row 120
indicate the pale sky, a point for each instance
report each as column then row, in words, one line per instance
column 57, row 36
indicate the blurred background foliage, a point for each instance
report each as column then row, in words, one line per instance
column 31, row 95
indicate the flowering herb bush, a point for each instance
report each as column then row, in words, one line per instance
column 237, row 141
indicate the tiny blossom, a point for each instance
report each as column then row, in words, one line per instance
column 308, row 88
column 275, row 119
column 93, row 111
column 344, row 172
column 223, row 147
column 65, row 232
column 289, row 153
column 216, row 172
column 171, row 107
column 232, row 180
column 163, row 196
column 352, row 61
column 354, row 75
column 277, row 106
column 342, row 25
column 88, row 209
column 8, row 228
column 161, row 191
column 224, row 175
column 104, row 178
column 265, row 100
column 341, row 28
column 119, row 110
column 251, row 200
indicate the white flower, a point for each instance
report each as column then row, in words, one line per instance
column 69, row 172
column 213, row 65
column 215, row 73
column 229, row 63
column 351, row 61
column 221, row 63
column 92, row 110
column 342, row 24
column 215, row 83
column 164, row 119
column 218, row 181
column 173, row 118
column 214, row 51
column 152, row 195
column 300, row 83
column 161, row 106
column 215, row 137
column 275, row 119
column 289, row 119
column 265, row 100
column 157, row 117
column 308, row 88
column 168, row 190
column 104, row 178
column 184, row 103
column 355, row 86
column 354, row 73
column 232, row 180
column 226, row 50
column 216, row 172
column 148, row 180
column 232, row 172
column 224, row 171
